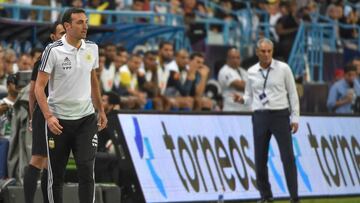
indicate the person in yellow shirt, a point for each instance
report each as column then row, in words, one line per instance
column 95, row 18
column 132, row 97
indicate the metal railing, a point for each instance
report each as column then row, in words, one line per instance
column 241, row 32
column 142, row 27
column 312, row 40
column 307, row 53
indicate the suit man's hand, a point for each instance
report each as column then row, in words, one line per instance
column 294, row 127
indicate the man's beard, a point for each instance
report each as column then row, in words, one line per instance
column 166, row 59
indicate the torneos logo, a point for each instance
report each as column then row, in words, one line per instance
column 143, row 144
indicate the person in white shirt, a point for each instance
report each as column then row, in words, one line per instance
column 232, row 79
column 69, row 65
column 271, row 90
column 24, row 63
column 166, row 54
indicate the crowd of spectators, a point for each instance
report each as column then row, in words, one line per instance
column 282, row 16
column 147, row 80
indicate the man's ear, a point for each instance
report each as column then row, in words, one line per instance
column 66, row 25
column 52, row 37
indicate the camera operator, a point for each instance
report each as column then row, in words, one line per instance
column 6, row 105
column 20, row 137
column 342, row 95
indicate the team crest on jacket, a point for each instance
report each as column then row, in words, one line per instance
column 88, row 57
column 51, row 143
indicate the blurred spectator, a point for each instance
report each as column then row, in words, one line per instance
column 165, row 56
column 131, row 96
column 232, row 79
column 108, row 73
column 24, row 63
column 106, row 163
column 312, row 7
column 119, row 4
column 172, row 7
column 24, row 14
column 111, row 102
column 146, row 5
column 159, row 8
column 121, row 58
column 1, row 55
column 21, row 139
column 4, row 12
column 307, row 12
column 201, row 75
column 191, row 8
column 175, row 7
column 343, row 93
column 77, row 3
column 47, row 16
column 149, row 82
column 3, row 89
column 225, row 11
column 273, row 9
column 303, row 3
column 352, row 18
column 138, row 5
column 6, row 106
column 322, row 5
column 192, row 81
column 35, row 55
column 99, row 70
column 110, row 53
column 339, row 74
column 356, row 63
column 95, row 19
column 286, row 28
column 9, row 59
column 335, row 13
column 179, row 83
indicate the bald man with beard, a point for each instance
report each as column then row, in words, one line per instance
column 232, row 78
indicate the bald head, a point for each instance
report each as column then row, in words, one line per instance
column 182, row 58
column 233, row 58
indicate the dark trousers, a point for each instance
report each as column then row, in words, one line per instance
column 266, row 123
column 80, row 137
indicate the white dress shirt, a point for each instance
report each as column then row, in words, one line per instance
column 280, row 88
column 228, row 75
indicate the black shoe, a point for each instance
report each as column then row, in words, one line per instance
column 266, row 200
column 294, row 201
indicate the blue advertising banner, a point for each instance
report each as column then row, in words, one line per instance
column 181, row 158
